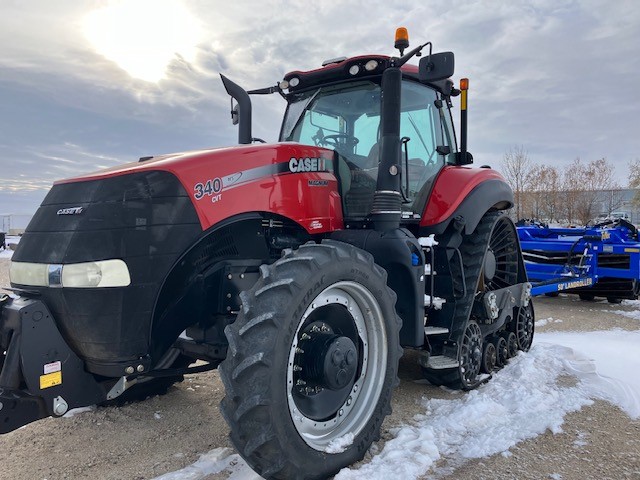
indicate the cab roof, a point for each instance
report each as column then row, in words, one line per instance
column 339, row 70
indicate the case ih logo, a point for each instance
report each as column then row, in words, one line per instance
column 71, row 211
column 307, row 164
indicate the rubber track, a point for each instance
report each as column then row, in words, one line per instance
column 248, row 367
column 472, row 250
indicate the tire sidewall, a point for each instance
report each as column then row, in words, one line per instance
column 345, row 270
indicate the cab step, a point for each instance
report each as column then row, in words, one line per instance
column 442, row 362
column 435, row 330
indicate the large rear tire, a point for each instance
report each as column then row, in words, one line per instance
column 313, row 359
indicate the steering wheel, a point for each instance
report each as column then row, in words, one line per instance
column 349, row 140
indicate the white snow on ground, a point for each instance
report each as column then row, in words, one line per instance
column 635, row 314
column 612, row 373
column 215, row 461
column 8, row 252
column 339, row 445
column 77, row 411
column 544, row 321
column 522, row 401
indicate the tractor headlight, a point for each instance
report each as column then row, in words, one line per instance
column 33, row 274
column 371, row 65
column 104, row 273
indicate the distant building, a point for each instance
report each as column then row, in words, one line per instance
column 14, row 224
column 623, row 200
column 579, row 207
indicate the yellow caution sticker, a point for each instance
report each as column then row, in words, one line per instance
column 632, row 250
column 50, row 380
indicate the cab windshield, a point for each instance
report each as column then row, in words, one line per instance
column 346, row 118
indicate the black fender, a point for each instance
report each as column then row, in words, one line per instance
column 203, row 285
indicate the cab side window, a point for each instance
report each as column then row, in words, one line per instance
column 420, row 127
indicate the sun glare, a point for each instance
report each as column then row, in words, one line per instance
column 143, row 36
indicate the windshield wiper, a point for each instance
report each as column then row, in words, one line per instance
column 306, row 104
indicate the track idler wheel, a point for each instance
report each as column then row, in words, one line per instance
column 512, row 344
column 502, row 351
column 489, row 358
column 524, row 327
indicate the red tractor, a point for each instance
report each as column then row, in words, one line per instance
column 301, row 268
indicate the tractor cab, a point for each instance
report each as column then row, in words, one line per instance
column 339, row 107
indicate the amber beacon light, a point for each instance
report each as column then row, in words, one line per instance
column 402, row 39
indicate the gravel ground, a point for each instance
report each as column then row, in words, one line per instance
column 162, row 434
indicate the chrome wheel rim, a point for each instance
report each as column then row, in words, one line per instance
column 357, row 306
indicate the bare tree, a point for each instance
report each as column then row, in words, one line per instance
column 532, row 198
column 516, row 167
column 571, row 189
column 549, row 179
column 585, row 186
column 634, row 180
column 613, row 200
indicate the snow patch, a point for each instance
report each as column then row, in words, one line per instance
column 437, row 302
column 429, row 241
column 635, row 314
column 581, row 440
column 77, row 411
column 215, row 461
column 522, row 401
column 609, row 366
column 544, row 321
column 339, row 445
column 9, row 240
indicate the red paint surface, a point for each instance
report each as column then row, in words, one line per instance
column 317, row 209
column 452, row 186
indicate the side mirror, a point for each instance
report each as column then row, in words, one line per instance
column 235, row 115
column 436, row 67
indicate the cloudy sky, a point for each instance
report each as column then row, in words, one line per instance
column 89, row 84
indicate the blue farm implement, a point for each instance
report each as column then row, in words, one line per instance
column 598, row 261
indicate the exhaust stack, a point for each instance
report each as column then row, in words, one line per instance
column 387, row 201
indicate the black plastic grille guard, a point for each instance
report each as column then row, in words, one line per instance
column 35, row 341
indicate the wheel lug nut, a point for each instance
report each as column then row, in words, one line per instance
column 341, row 412
column 350, row 357
column 299, row 350
column 304, row 336
column 337, row 357
column 349, row 401
column 297, row 368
